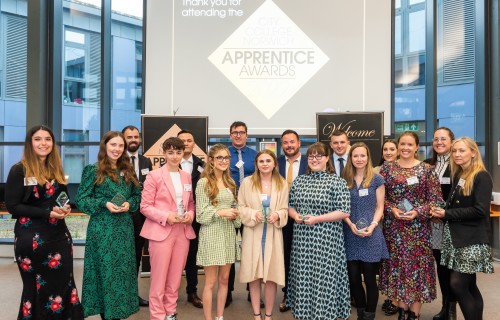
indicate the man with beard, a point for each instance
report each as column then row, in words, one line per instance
column 290, row 165
column 193, row 165
column 142, row 166
column 340, row 144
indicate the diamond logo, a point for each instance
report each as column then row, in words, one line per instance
column 268, row 58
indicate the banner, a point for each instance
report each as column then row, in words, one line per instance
column 156, row 129
column 367, row 127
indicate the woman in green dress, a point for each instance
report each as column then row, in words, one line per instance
column 109, row 192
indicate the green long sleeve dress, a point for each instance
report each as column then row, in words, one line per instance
column 109, row 273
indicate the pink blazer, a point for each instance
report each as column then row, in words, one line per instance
column 158, row 201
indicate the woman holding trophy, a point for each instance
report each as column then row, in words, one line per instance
column 412, row 188
column 167, row 202
column 263, row 206
column 35, row 195
column 108, row 192
column 364, row 241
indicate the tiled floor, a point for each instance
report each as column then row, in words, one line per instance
column 10, row 282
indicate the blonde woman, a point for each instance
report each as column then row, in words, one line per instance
column 216, row 212
column 263, row 205
column 466, row 244
column 364, row 242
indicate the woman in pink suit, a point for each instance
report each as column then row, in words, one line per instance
column 167, row 203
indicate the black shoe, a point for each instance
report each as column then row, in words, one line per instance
column 391, row 309
column 402, row 314
column 283, row 306
column 143, row 302
column 250, row 300
column 387, row 302
column 229, row 299
column 195, row 300
column 413, row 316
column 452, row 310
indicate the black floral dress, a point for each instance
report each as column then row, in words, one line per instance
column 109, row 273
column 43, row 250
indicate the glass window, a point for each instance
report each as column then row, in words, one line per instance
column 416, row 31
column 126, row 62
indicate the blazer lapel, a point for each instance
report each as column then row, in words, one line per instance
column 168, row 182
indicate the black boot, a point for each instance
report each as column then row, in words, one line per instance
column 412, row 316
column 402, row 314
column 443, row 314
column 361, row 313
column 369, row 316
column 452, row 310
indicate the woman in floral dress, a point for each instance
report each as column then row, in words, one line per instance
column 318, row 287
column 109, row 273
column 412, row 188
column 43, row 244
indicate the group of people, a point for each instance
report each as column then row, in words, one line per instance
column 318, row 224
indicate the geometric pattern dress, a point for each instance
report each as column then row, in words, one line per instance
column 318, row 286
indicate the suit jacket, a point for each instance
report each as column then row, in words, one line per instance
column 144, row 163
column 197, row 170
column 282, row 165
column 469, row 216
column 159, row 201
column 445, row 188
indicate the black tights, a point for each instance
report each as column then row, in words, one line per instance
column 369, row 270
column 443, row 274
column 465, row 289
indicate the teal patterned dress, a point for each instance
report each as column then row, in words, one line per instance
column 318, row 285
column 109, row 273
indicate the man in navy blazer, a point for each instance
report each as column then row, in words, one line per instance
column 290, row 143
column 193, row 165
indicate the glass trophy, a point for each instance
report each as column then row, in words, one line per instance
column 405, row 206
column 440, row 204
column 234, row 204
column 118, row 199
column 306, row 211
column 62, row 200
column 361, row 224
column 181, row 210
column 265, row 212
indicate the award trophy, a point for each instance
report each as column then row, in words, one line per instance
column 440, row 204
column 361, row 224
column 234, row 204
column 181, row 210
column 405, row 206
column 118, row 199
column 62, row 200
column 265, row 212
column 306, row 210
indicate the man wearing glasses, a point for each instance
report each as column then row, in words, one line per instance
column 241, row 165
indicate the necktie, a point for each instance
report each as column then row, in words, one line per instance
column 341, row 165
column 241, row 168
column 133, row 163
column 289, row 173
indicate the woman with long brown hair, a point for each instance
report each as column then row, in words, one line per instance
column 263, row 206
column 109, row 192
column 466, row 246
column 216, row 212
column 43, row 244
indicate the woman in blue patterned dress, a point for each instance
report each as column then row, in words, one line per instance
column 412, row 188
column 318, row 287
column 216, row 212
column 109, row 273
column 43, row 245
column 466, row 242
column 364, row 241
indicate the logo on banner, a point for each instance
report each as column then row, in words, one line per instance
column 268, row 58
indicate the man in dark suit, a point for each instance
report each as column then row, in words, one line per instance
column 142, row 166
column 340, row 144
column 193, row 165
column 290, row 165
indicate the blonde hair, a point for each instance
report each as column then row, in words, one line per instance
column 475, row 167
column 276, row 177
column 211, row 188
column 349, row 170
column 47, row 170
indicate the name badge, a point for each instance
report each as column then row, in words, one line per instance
column 200, row 169
column 187, row 187
column 263, row 197
column 144, row 171
column 363, row 192
column 30, row 181
column 461, row 182
column 445, row 180
column 239, row 164
column 412, row 180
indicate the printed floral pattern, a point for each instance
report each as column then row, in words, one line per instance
column 55, row 304
column 26, row 310
column 37, row 241
column 53, row 261
column 39, row 281
column 25, row 222
column 25, row 264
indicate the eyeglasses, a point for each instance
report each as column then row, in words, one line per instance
column 238, row 133
column 221, row 158
column 315, row 156
column 442, row 139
